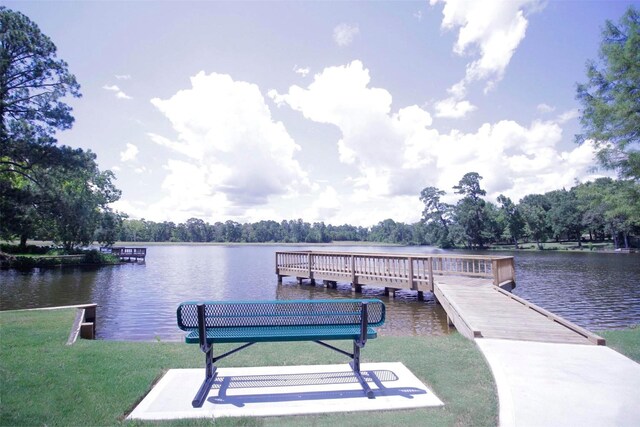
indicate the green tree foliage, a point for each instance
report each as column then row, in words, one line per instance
column 48, row 191
column 470, row 210
column 611, row 97
column 32, row 83
column 437, row 217
column 611, row 207
column 82, row 196
column 389, row 231
column 534, row 211
column 565, row 215
column 493, row 227
column 512, row 219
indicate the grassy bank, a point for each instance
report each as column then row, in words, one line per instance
column 626, row 341
column 557, row 246
column 45, row 382
column 35, row 256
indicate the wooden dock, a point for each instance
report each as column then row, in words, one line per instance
column 481, row 310
column 392, row 271
column 127, row 254
column 469, row 288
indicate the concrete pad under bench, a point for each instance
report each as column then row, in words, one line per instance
column 284, row 390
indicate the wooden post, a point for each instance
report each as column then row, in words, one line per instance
column 496, row 273
column 430, row 265
column 420, row 296
column 90, row 313
column 354, row 279
column 512, row 264
column 88, row 325
column 310, row 273
column 412, row 284
column 87, row 331
column 354, row 276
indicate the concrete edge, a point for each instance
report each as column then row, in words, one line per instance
column 506, row 407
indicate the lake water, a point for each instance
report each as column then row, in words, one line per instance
column 138, row 301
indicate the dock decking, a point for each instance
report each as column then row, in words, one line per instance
column 468, row 287
column 480, row 310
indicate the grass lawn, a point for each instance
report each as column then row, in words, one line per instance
column 626, row 341
column 45, row 382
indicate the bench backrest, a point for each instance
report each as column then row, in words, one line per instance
column 281, row 313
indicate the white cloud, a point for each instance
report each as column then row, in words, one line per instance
column 418, row 15
column 303, row 71
column 130, row 153
column 325, row 207
column 235, row 155
column 122, row 95
column 453, row 109
column 378, row 142
column 344, row 34
column 488, row 30
column 568, row 115
column 396, row 153
column 119, row 93
column 123, row 76
column 545, row 108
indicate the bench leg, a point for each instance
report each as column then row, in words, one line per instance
column 355, row 365
column 209, row 378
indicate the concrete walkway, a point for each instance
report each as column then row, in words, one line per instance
column 544, row 384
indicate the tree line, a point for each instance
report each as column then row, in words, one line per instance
column 595, row 211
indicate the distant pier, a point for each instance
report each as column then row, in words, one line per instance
column 471, row 289
column 127, row 254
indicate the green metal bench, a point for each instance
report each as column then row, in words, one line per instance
column 208, row 323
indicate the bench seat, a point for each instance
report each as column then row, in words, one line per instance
column 249, row 322
column 280, row 333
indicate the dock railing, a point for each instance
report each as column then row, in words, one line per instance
column 126, row 253
column 399, row 271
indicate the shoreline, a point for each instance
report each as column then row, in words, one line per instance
column 605, row 247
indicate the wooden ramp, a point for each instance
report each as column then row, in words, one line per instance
column 480, row 310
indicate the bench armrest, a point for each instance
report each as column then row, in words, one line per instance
column 202, row 329
column 364, row 322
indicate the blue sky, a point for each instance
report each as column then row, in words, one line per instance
column 327, row 111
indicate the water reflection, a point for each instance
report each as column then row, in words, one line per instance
column 138, row 302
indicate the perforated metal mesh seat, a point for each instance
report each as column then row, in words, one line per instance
column 238, row 321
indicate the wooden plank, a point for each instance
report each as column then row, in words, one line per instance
column 596, row 339
column 453, row 312
column 494, row 314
